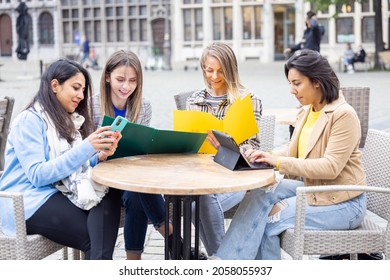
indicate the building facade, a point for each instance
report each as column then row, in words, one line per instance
column 178, row 30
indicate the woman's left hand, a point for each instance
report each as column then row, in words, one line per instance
column 212, row 140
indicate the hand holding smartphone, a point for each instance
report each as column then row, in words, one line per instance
column 119, row 123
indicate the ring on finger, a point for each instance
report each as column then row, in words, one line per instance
column 100, row 136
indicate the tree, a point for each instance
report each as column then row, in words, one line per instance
column 323, row 4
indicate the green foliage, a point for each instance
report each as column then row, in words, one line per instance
column 320, row 5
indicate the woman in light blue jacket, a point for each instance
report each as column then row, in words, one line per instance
column 50, row 150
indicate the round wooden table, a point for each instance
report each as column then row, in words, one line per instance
column 182, row 178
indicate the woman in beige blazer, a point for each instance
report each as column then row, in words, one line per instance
column 324, row 150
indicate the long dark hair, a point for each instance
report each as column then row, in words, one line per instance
column 62, row 70
column 317, row 68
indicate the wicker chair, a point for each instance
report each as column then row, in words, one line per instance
column 181, row 99
column 6, row 108
column 370, row 236
column 267, row 135
column 22, row 246
column 359, row 99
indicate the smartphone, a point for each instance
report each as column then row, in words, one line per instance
column 119, row 123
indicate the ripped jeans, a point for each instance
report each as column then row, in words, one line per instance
column 211, row 217
column 252, row 234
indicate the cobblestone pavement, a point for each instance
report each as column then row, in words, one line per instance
column 20, row 79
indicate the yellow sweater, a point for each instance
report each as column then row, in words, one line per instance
column 306, row 132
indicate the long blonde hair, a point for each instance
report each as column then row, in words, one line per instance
column 228, row 61
column 134, row 102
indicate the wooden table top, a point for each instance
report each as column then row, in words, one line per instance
column 283, row 115
column 177, row 174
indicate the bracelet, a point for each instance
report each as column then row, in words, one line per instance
column 277, row 164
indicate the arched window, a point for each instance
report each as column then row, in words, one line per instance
column 46, row 29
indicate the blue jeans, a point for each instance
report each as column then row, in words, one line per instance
column 211, row 217
column 141, row 207
column 254, row 235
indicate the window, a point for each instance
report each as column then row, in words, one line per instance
column 193, row 24
column 217, row 24
column 88, row 29
column 45, row 29
column 222, row 23
column 144, row 30
column 187, row 24
column 325, row 24
column 119, row 31
column 251, row 22
column 66, row 32
column 75, row 13
column 87, row 13
column 98, row 31
column 132, row 11
column 119, row 11
column 368, row 29
column 344, row 30
column 65, row 14
column 110, row 12
column 96, row 12
column 198, row 24
column 366, row 6
column 143, row 11
column 133, row 30
column 110, row 31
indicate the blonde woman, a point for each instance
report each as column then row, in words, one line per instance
column 222, row 87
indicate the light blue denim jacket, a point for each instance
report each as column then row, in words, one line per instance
column 29, row 169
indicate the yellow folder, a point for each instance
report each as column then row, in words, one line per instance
column 239, row 122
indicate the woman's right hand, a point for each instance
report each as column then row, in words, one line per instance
column 105, row 141
column 260, row 156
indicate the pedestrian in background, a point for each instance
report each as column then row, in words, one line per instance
column 85, row 49
column 311, row 36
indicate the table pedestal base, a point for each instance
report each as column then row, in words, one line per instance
column 181, row 204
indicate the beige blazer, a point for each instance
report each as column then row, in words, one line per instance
column 332, row 156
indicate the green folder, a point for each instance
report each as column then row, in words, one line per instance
column 140, row 139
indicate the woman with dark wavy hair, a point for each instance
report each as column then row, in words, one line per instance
column 51, row 148
column 324, row 150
